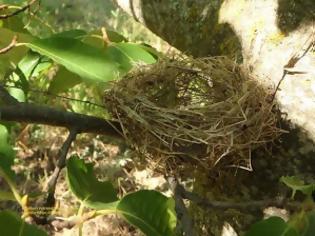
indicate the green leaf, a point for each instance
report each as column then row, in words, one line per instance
column 115, row 37
column 273, row 226
column 86, row 187
column 11, row 224
column 6, row 153
column 15, row 24
column 296, row 184
column 29, row 65
column 88, row 62
column 135, row 53
column 77, row 33
column 17, row 94
column 310, row 230
column 95, row 38
column 128, row 54
column 63, row 81
column 32, row 65
column 150, row 211
column 6, row 196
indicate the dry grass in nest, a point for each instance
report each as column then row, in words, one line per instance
column 198, row 113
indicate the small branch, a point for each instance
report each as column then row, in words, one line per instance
column 10, row 46
column 6, row 97
column 60, row 224
column 242, row 206
column 3, row 7
column 22, row 9
column 291, row 63
column 185, row 224
column 62, row 156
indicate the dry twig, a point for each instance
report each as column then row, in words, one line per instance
column 288, row 68
column 10, row 46
column 62, row 156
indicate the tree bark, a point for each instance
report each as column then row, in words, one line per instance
column 190, row 26
column 32, row 113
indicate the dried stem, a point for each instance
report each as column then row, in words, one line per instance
column 292, row 62
column 10, row 46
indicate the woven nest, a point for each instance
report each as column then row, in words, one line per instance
column 205, row 112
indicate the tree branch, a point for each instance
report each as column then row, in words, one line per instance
column 22, row 9
column 32, row 113
column 62, row 156
column 242, row 206
column 184, row 222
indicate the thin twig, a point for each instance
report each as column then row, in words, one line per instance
column 60, row 224
column 22, row 9
column 10, row 46
column 242, row 206
column 291, row 63
column 47, row 93
column 62, row 156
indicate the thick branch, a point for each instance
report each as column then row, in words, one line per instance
column 31, row 113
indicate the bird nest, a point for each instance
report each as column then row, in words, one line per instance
column 199, row 112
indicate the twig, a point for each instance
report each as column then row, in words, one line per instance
column 242, row 206
column 47, row 93
column 105, row 36
column 291, row 63
column 22, row 9
column 60, row 224
column 62, row 156
column 6, row 97
column 184, row 224
column 10, row 46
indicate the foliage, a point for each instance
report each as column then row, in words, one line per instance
column 80, row 57
column 12, row 224
column 273, row 226
column 300, row 224
column 297, row 184
column 86, row 187
column 148, row 210
column 82, row 61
